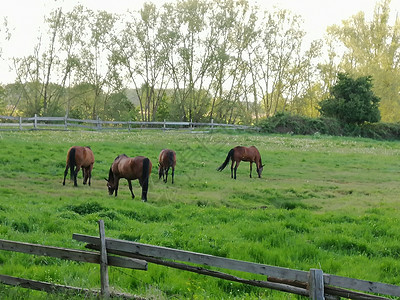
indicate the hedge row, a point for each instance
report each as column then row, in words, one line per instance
column 295, row 124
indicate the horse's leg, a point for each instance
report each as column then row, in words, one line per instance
column 76, row 175
column 85, row 174
column 116, row 182
column 251, row 168
column 236, row 166
column 130, row 188
column 90, row 173
column 65, row 173
column 166, row 174
column 232, row 170
column 173, row 171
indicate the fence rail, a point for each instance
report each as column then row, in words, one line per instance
column 314, row 284
column 76, row 255
column 65, row 123
column 335, row 285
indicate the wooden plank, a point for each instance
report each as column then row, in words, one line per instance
column 50, row 119
column 105, row 285
column 42, row 286
column 331, row 292
column 339, row 292
column 204, row 259
column 71, row 254
column 265, row 284
column 67, row 121
column 197, row 258
column 51, row 287
column 9, row 124
column 362, row 285
column 316, row 284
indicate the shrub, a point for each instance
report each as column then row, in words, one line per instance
column 295, row 124
column 352, row 101
column 380, row 131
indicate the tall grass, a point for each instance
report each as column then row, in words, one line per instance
column 322, row 202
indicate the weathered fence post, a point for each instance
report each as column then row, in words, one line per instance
column 65, row 122
column 164, row 125
column 98, row 123
column 316, row 284
column 105, row 292
column 35, row 122
column 20, row 123
column 212, row 125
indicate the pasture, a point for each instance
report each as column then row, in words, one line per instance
column 322, row 202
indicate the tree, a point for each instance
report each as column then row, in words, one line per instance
column 42, row 76
column 97, row 62
column 280, row 69
column 373, row 48
column 142, row 54
column 352, row 101
column 4, row 34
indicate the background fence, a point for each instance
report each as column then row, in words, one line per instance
column 66, row 123
column 313, row 284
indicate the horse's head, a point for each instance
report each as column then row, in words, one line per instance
column 259, row 170
column 110, row 186
column 160, row 171
column 110, row 182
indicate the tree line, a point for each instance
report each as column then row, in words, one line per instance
column 198, row 60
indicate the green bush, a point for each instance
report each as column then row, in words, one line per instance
column 295, row 124
column 380, row 131
column 352, row 101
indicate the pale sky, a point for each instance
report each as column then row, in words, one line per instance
column 25, row 18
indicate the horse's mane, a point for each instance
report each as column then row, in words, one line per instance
column 110, row 175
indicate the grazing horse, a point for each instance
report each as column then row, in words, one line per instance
column 79, row 157
column 239, row 154
column 130, row 168
column 166, row 160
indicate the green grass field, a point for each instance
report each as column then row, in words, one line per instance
column 322, row 202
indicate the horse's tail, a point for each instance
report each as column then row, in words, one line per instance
column 171, row 158
column 230, row 154
column 72, row 162
column 145, row 178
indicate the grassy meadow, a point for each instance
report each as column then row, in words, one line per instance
column 322, row 202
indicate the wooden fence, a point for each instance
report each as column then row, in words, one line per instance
column 65, row 123
column 313, row 284
column 101, row 258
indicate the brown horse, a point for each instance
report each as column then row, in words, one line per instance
column 79, row 157
column 166, row 160
column 239, row 154
column 130, row 168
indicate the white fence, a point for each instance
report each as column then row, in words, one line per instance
column 66, row 123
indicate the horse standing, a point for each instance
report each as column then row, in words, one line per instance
column 241, row 153
column 166, row 160
column 130, row 168
column 79, row 157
